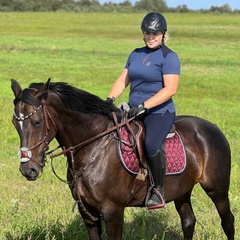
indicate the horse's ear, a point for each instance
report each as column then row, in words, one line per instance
column 46, row 85
column 43, row 92
column 16, row 88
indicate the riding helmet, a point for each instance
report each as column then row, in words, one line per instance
column 154, row 22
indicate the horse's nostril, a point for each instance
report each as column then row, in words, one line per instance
column 32, row 173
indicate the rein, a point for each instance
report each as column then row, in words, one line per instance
column 81, row 145
column 90, row 140
column 25, row 153
column 85, row 143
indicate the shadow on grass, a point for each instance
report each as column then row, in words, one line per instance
column 149, row 225
column 144, row 225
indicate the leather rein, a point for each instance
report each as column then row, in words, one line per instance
column 116, row 127
column 25, row 153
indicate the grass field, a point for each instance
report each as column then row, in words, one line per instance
column 89, row 51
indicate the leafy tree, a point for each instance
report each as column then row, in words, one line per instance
column 151, row 5
column 126, row 3
column 223, row 9
column 182, row 8
column 95, row 6
column 88, row 2
column 5, row 5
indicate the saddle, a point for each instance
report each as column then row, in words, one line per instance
column 130, row 148
column 132, row 136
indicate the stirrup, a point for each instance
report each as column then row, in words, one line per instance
column 161, row 198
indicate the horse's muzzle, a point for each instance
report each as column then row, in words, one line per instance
column 30, row 172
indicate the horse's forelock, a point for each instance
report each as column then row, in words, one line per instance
column 28, row 96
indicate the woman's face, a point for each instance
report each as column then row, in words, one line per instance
column 153, row 39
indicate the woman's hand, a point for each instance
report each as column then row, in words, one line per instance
column 136, row 110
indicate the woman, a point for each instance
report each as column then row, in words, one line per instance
column 153, row 73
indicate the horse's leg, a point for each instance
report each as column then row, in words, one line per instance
column 185, row 211
column 114, row 219
column 215, row 182
column 94, row 227
column 226, row 215
column 221, row 201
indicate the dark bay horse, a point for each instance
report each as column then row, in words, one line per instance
column 98, row 182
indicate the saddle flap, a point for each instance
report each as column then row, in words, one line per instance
column 139, row 132
column 132, row 142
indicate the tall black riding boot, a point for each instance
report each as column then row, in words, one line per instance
column 157, row 167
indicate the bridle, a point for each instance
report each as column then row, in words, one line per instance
column 25, row 153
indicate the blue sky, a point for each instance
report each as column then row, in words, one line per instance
column 191, row 4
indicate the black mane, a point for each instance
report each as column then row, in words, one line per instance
column 73, row 98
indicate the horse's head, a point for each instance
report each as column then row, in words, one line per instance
column 32, row 121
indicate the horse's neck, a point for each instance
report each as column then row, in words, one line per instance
column 77, row 128
column 79, row 136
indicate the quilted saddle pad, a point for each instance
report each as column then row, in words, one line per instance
column 173, row 148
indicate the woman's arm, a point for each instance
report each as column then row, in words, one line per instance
column 119, row 85
column 169, row 89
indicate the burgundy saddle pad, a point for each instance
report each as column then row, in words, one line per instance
column 173, row 148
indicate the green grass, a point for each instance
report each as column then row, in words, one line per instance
column 89, row 51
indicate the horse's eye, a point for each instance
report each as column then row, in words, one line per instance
column 37, row 123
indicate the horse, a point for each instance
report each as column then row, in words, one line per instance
column 80, row 122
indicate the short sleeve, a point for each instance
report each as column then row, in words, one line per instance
column 128, row 62
column 171, row 64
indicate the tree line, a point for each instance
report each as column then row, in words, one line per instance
column 95, row 6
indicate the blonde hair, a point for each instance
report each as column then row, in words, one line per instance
column 166, row 37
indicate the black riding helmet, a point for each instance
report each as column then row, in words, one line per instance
column 154, row 22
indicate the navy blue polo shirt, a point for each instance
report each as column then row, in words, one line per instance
column 145, row 70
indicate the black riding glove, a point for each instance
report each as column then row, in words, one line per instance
column 110, row 100
column 135, row 111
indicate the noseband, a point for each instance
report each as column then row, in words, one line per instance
column 25, row 153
